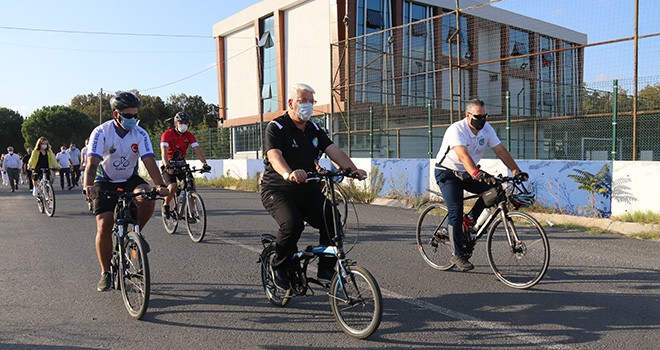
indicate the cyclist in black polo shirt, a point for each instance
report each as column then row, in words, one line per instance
column 292, row 144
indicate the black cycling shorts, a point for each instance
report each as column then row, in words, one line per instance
column 104, row 204
column 171, row 179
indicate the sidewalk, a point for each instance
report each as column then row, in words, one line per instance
column 620, row 227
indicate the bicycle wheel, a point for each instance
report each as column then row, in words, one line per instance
column 432, row 237
column 356, row 302
column 49, row 200
column 519, row 264
column 171, row 223
column 40, row 202
column 275, row 295
column 195, row 217
column 134, row 276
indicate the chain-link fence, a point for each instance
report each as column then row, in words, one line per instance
column 399, row 88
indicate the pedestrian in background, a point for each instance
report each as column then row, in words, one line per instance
column 74, row 153
column 25, row 168
column 11, row 165
column 64, row 160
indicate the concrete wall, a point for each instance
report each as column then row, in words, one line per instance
column 307, row 52
column 632, row 186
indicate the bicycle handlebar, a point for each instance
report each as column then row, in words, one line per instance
column 150, row 195
column 324, row 174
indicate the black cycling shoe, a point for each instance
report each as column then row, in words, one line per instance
column 281, row 278
column 461, row 262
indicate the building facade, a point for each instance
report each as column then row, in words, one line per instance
column 401, row 54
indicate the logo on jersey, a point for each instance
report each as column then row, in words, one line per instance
column 294, row 144
column 315, row 142
column 134, row 147
column 481, row 142
column 113, row 149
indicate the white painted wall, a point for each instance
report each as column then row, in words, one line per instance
column 632, row 181
column 634, row 187
column 307, row 49
column 241, row 73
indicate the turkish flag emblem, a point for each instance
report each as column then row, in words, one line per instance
column 134, row 147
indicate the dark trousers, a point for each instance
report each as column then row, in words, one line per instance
column 291, row 209
column 28, row 176
column 75, row 175
column 452, row 189
column 65, row 172
column 14, row 175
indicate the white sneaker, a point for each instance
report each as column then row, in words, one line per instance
column 34, row 192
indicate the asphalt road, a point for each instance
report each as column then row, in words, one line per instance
column 601, row 291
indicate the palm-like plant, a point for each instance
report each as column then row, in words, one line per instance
column 599, row 183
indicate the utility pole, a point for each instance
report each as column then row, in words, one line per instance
column 101, row 106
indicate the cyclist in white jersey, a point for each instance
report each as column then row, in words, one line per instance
column 113, row 154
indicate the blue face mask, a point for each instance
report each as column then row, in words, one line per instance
column 305, row 111
column 129, row 124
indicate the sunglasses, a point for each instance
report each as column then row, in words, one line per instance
column 479, row 116
column 129, row 115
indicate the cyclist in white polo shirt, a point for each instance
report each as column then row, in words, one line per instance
column 113, row 154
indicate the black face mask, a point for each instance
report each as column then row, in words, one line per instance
column 477, row 123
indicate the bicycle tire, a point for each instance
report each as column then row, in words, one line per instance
column 134, row 276
column 523, row 266
column 40, row 203
column 172, row 223
column 49, row 200
column 433, row 240
column 356, row 302
column 195, row 217
column 275, row 295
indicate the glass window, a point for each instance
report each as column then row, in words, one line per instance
column 268, row 69
column 519, row 45
column 418, row 55
column 373, row 53
column 569, row 80
column 448, row 29
column 547, row 77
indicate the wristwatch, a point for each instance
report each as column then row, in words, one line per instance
column 286, row 175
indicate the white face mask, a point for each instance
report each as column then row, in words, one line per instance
column 11, row 152
column 182, row 128
column 305, row 111
column 44, row 145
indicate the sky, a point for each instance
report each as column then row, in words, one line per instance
column 43, row 68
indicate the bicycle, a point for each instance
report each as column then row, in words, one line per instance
column 186, row 204
column 129, row 266
column 354, row 295
column 517, row 245
column 45, row 193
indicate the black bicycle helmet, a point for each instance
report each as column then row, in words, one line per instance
column 182, row 117
column 123, row 100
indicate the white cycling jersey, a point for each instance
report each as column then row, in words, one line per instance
column 460, row 134
column 119, row 155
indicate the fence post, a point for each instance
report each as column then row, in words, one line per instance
column 507, row 107
column 371, row 131
column 615, row 113
column 430, row 131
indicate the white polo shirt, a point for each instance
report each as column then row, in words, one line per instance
column 460, row 134
column 119, row 155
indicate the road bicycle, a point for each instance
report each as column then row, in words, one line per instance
column 129, row 266
column 354, row 295
column 186, row 205
column 45, row 194
column 516, row 244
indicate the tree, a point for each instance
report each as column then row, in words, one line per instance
column 59, row 124
column 10, row 130
column 89, row 105
column 596, row 184
column 198, row 110
column 649, row 98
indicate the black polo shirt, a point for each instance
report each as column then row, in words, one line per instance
column 300, row 149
